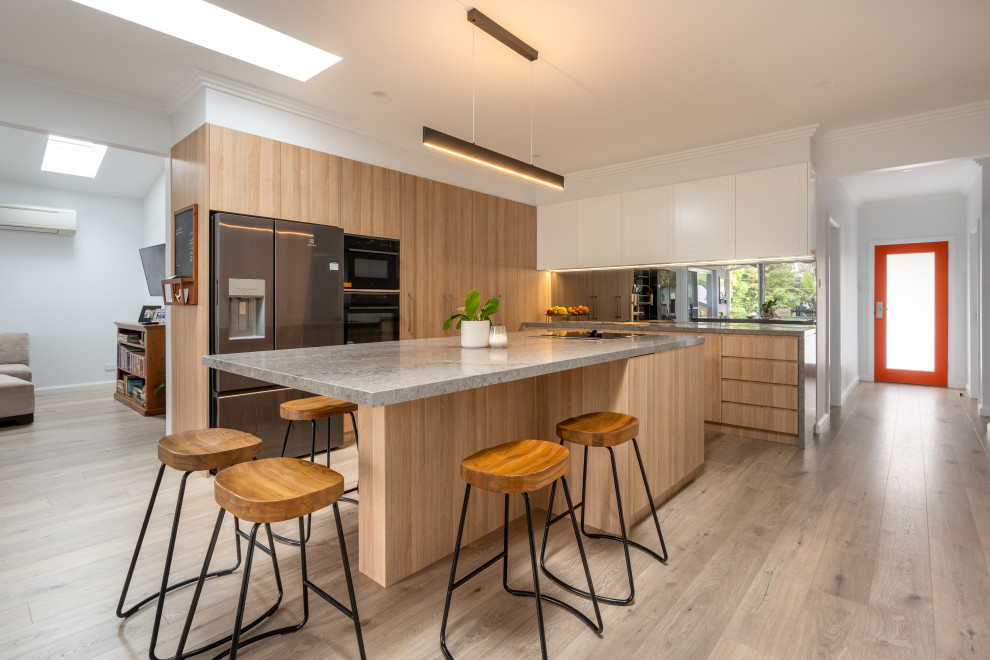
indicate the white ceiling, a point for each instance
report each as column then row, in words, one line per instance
column 929, row 180
column 122, row 174
column 616, row 81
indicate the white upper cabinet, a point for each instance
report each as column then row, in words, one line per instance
column 556, row 236
column 772, row 212
column 648, row 226
column 599, row 231
column 704, row 219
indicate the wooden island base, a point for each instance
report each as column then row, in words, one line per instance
column 410, row 453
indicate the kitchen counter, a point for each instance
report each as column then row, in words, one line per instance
column 393, row 372
column 702, row 327
column 426, row 404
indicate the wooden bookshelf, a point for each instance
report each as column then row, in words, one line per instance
column 140, row 356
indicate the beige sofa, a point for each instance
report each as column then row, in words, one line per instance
column 16, row 388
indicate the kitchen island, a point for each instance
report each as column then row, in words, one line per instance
column 760, row 378
column 426, row 404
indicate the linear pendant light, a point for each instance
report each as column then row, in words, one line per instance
column 469, row 150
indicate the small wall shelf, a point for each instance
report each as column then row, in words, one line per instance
column 179, row 291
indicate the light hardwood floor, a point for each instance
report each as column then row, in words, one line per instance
column 874, row 542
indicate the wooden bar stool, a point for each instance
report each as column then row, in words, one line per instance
column 604, row 429
column 311, row 409
column 266, row 491
column 188, row 452
column 522, row 467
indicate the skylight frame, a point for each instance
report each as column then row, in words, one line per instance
column 222, row 31
column 74, row 157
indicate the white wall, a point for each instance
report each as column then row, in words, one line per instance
column 834, row 201
column 941, row 219
column 974, row 208
column 66, row 291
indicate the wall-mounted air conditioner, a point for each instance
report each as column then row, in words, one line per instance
column 18, row 217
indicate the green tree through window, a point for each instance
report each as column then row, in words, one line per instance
column 792, row 284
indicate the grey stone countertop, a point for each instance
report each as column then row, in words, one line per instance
column 702, row 327
column 392, row 372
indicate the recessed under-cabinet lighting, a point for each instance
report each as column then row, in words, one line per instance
column 75, row 157
column 225, row 32
column 724, row 262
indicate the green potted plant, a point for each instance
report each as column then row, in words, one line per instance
column 473, row 320
column 768, row 307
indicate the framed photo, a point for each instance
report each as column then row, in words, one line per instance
column 160, row 315
column 148, row 314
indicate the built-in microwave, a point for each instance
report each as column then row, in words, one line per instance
column 371, row 263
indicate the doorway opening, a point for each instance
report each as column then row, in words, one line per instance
column 911, row 313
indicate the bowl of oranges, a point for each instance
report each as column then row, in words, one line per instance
column 574, row 313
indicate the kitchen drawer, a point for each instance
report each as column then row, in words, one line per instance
column 766, row 348
column 758, row 417
column 760, row 394
column 762, row 371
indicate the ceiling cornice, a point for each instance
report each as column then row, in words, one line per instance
column 65, row 83
column 917, row 199
column 974, row 174
column 202, row 80
column 802, row 132
column 910, row 121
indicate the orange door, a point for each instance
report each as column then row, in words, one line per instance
column 911, row 313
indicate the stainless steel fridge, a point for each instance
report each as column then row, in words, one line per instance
column 276, row 285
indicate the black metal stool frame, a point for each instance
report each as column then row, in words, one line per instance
column 504, row 556
column 165, row 587
column 235, row 638
column 626, row 543
column 312, row 457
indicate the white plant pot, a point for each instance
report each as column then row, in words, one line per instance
column 474, row 334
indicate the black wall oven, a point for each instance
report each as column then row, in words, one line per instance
column 370, row 317
column 371, row 263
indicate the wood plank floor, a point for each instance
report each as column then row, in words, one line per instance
column 873, row 542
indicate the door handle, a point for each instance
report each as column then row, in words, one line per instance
column 880, row 309
column 618, row 307
column 409, row 322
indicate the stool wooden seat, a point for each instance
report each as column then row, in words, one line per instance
column 315, row 407
column 266, row 491
column 207, row 449
column 599, row 429
column 516, row 467
column 277, row 489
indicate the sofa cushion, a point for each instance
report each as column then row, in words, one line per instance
column 21, row 371
column 15, row 348
column 16, row 397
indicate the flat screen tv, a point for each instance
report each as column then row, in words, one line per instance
column 153, row 260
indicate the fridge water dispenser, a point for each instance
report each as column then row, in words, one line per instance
column 246, row 299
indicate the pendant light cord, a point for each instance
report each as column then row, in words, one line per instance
column 530, row 113
column 474, row 81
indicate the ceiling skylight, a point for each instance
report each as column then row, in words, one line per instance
column 67, row 156
column 225, row 32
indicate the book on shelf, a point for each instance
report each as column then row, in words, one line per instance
column 131, row 359
column 122, row 386
column 130, row 338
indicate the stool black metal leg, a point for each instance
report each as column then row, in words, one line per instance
column 624, row 538
column 312, row 457
column 653, row 509
column 285, row 442
column 137, row 550
column 536, row 578
column 451, row 585
column 350, row 582
column 584, row 557
column 242, row 598
column 180, row 653
column 168, row 564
